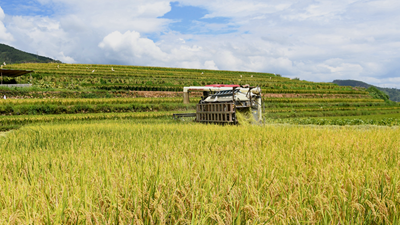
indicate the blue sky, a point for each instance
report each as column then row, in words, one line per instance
column 189, row 20
column 316, row 40
column 27, row 8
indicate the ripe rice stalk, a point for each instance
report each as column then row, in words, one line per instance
column 113, row 172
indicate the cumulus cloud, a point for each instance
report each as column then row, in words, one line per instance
column 4, row 35
column 42, row 35
column 121, row 15
column 210, row 65
column 132, row 48
column 64, row 58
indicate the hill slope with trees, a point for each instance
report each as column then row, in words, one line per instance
column 393, row 93
column 11, row 55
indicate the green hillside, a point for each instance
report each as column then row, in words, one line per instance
column 352, row 83
column 11, row 55
column 393, row 93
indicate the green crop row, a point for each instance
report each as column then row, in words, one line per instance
column 319, row 109
column 323, row 104
column 138, row 88
column 42, row 93
column 340, row 113
column 323, row 91
column 25, row 119
column 75, row 101
column 324, row 109
column 375, row 116
column 100, row 108
column 313, row 100
column 340, row 122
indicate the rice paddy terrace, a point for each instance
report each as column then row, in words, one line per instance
column 90, row 89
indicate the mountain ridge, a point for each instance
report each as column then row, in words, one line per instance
column 394, row 94
column 11, row 55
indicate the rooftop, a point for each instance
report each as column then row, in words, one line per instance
column 14, row 73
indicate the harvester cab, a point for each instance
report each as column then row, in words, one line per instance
column 221, row 103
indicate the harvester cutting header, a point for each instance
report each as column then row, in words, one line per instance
column 220, row 103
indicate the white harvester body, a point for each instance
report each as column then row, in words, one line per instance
column 220, row 103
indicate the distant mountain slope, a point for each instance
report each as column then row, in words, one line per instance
column 352, row 83
column 10, row 55
column 394, row 94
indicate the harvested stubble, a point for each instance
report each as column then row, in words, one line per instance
column 107, row 173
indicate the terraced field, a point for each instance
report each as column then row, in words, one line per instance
column 163, row 79
column 80, row 88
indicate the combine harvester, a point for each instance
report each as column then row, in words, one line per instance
column 220, row 103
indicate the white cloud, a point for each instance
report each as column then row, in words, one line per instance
column 4, row 35
column 42, row 35
column 240, row 8
column 121, row 15
column 132, row 48
column 65, row 59
column 210, row 65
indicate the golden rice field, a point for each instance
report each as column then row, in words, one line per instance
column 137, row 173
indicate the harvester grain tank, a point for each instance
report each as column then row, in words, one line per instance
column 221, row 103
